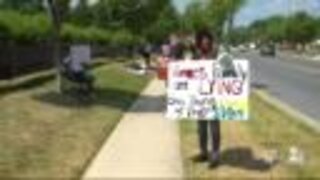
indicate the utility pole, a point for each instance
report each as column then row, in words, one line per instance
column 228, row 31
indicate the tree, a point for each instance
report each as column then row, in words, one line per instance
column 57, row 10
column 297, row 28
column 301, row 28
column 167, row 22
column 140, row 17
column 238, row 35
column 81, row 14
column 221, row 13
column 273, row 28
column 318, row 27
column 213, row 14
column 29, row 6
column 195, row 17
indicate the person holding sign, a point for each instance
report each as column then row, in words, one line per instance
column 207, row 48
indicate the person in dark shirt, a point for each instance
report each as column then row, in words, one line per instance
column 207, row 48
column 145, row 51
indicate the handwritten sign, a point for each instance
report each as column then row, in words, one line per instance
column 207, row 90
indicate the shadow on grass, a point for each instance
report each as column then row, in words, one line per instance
column 109, row 97
column 34, row 82
column 244, row 158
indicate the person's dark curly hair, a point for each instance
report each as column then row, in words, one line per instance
column 200, row 35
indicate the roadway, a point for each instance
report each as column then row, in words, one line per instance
column 292, row 81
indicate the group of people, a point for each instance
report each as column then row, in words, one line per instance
column 203, row 45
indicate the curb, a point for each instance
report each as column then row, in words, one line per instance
column 308, row 121
column 300, row 57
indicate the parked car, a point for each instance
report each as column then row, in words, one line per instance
column 242, row 48
column 268, row 49
column 252, row 45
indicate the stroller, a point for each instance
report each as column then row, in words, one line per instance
column 79, row 82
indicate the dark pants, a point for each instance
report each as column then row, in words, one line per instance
column 213, row 135
column 82, row 77
column 147, row 59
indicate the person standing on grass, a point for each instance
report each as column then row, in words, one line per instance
column 207, row 48
column 176, row 47
column 146, row 52
column 189, row 50
column 163, row 61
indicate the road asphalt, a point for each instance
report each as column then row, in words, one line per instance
column 295, row 82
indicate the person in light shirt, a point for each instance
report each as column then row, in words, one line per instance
column 76, row 71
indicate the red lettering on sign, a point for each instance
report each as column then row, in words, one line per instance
column 230, row 86
column 197, row 73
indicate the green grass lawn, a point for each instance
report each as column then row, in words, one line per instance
column 246, row 146
column 274, row 129
column 44, row 134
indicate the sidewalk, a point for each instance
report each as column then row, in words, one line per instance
column 144, row 145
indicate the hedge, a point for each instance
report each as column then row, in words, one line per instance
column 35, row 28
column 20, row 27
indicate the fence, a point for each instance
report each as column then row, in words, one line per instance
column 20, row 59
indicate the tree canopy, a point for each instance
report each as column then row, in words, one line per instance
column 212, row 14
column 297, row 28
column 137, row 16
column 29, row 6
column 149, row 20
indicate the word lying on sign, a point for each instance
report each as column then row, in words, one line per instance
column 205, row 90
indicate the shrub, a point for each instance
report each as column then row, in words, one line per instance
column 21, row 27
column 94, row 34
column 34, row 28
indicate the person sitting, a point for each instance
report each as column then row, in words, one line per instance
column 77, row 71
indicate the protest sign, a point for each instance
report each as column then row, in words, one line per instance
column 206, row 90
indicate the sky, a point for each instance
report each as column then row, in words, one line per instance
column 260, row 9
column 181, row 4
column 75, row 2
